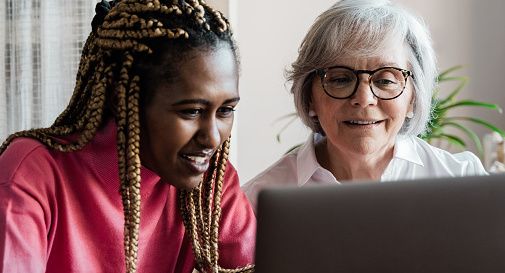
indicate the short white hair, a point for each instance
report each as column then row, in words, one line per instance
column 361, row 28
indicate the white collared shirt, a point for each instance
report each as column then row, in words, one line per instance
column 413, row 159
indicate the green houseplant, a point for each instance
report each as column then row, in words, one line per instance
column 441, row 122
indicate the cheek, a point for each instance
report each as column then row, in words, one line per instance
column 408, row 104
column 177, row 132
column 166, row 133
column 319, row 104
column 225, row 127
column 330, row 110
column 395, row 111
column 399, row 107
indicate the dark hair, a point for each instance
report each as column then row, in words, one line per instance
column 130, row 38
column 163, row 64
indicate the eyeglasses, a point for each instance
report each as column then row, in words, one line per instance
column 386, row 83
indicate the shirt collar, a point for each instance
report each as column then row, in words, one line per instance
column 307, row 165
column 405, row 149
column 306, row 161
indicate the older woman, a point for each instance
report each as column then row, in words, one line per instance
column 363, row 83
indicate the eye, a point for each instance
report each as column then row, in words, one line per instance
column 339, row 80
column 190, row 113
column 387, row 78
column 226, row 111
column 384, row 82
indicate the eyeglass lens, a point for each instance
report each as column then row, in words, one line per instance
column 385, row 83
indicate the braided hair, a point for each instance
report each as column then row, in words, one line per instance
column 127, row 38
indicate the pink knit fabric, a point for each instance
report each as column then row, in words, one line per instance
column 62, row 212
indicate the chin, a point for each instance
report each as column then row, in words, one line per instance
column 193, row 183
column 364, row 147
column 187, row 183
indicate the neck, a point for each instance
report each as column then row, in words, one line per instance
column 347, row 167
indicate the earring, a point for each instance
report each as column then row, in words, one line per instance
column 410, row 114
column 313, row 116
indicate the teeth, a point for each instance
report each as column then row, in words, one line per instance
column 197, row 159
column 362, row 122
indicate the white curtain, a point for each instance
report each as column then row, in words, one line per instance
column 40, row 47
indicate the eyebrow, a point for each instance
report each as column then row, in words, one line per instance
column 202, row 101
column 388, row 64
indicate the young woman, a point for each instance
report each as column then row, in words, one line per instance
column 134, row 176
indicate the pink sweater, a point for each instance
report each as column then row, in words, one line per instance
column 62, row 212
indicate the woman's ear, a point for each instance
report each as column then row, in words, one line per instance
column 410, row 110
column 312, row 112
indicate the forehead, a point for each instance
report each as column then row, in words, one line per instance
column 389, row 54
column 203, row 75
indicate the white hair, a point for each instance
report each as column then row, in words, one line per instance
column 361, row 28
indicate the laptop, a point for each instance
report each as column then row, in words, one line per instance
column 443, row 225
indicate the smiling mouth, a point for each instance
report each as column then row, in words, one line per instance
column 362, row 122
column 197, row 163
column 197, row 159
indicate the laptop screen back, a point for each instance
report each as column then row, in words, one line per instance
column 426, row 226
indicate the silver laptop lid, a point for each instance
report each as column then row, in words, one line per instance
column 426, row 226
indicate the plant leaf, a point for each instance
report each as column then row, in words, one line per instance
column 491, row 106
column 481, row 122
column 451, row 139
column 292, row 117
column 292, row 148
column 471, row 134
column 456, row 78
column 448, row 71
column 455, row 92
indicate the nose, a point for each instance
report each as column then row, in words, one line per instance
column 208, row 135
column 363, row 96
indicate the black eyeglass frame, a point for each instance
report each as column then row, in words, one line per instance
column 321, row 72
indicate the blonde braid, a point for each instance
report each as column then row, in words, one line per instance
column 195, row 235
column 206, row 251
column 216, row 213
column 122, row 140
column 127, row 29
column 203, row 205
column 199, row 195
column 207, row 200
column 185, row 201
column 217, row 210
column 133, row 168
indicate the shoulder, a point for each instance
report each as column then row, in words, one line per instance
column 24, row 156
column 230, row 174
column 282, row 172
column 284, row 168
column 231, row 181
column 237, row 225
column 463, row 163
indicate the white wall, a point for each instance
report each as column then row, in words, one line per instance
column 468, row 32
column 268, row 33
